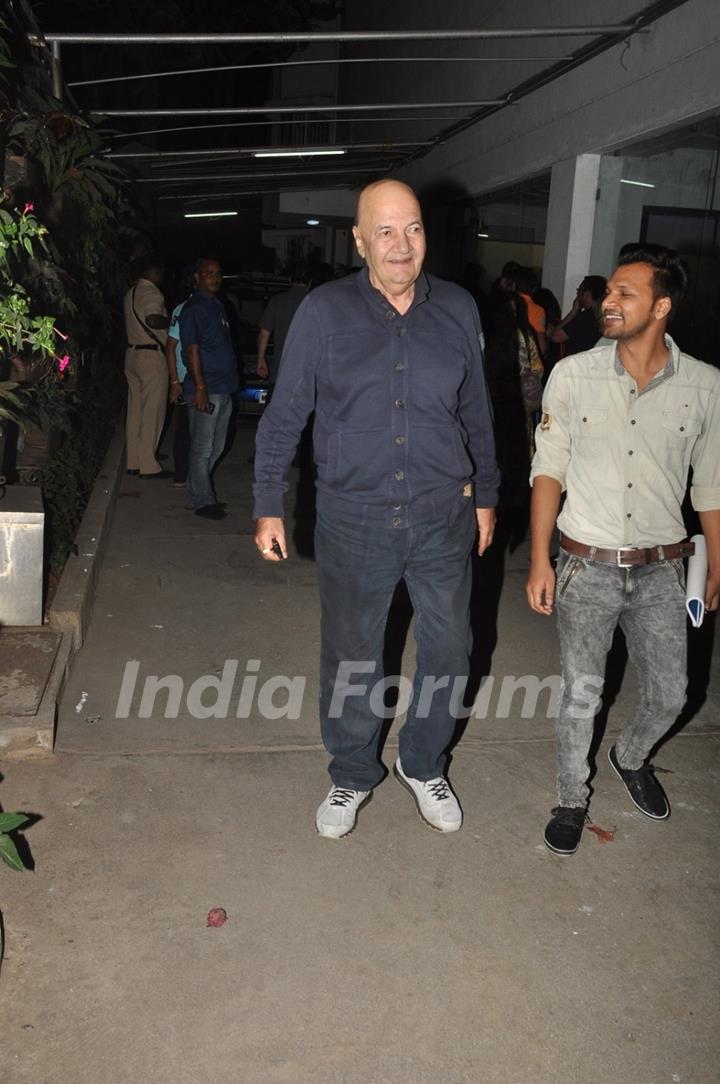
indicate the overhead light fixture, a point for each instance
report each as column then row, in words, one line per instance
column 639, row 184
column 313, row 222
column 483, row 235
column 209, row 214
column 310, row 152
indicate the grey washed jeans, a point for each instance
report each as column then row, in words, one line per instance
column 648, row 602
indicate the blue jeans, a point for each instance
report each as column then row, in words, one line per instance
column 358, row 571
column 648, row 602
column 208, row 433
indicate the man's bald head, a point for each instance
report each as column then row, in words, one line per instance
column 378, row 190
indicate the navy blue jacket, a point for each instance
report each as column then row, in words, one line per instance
column 402, row 416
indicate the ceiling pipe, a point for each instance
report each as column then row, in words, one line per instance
column 313, row 63
column 246, row 110
column 126, row 136
column 336, row 35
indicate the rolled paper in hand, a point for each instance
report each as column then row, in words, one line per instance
column 697, row 581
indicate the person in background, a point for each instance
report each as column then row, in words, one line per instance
column 580, row 329
column 526, row 282
column 276, row 320
column 210, row 382
column 508, row 338
column 551, row 307
column 146, row 322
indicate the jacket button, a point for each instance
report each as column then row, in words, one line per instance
column 399, row 403
column 399, row 440
column 399, row 476
column 397, row 521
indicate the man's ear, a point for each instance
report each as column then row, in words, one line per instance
column 358, row 242
column 662, row 308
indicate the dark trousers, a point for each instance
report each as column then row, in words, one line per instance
column 358, row 571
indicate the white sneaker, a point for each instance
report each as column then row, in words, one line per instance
column 336, row 816
column 436, row 803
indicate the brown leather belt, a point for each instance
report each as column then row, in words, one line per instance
column 628, row 557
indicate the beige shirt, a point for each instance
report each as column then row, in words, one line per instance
column 622, row 455
column 148, row 301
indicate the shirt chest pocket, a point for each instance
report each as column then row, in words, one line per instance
column 678, row 428
column 590, row 421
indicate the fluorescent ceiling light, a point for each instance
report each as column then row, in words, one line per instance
column 313, row 222
column 294, row 154
column 640, row 184
column 483, row 235
column 209, row 214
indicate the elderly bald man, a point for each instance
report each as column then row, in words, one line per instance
column 391, row 362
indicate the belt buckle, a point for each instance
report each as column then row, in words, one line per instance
column 618, row 558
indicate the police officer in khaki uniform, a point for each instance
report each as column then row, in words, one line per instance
column 146, row 323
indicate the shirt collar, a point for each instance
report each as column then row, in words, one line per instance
column 671, row 366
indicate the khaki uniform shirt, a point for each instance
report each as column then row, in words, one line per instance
column 622, row 455
column 148, row 301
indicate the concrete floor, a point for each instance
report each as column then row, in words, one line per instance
column 396, row 956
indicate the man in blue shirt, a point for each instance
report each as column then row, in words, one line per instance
column 209, row 384
column 391, row 362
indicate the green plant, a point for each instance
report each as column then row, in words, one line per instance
column 66, row 147
column 24, row 336
column 20, row 331
column 14, row 403
column 10, row 822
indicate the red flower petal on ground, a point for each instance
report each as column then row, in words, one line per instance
column 217, row 916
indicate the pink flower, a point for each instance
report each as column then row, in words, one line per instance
column 63, row 363
column 28, row 208
column 63, row 337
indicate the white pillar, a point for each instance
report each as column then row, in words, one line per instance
column 607, row 218
column 570, row 221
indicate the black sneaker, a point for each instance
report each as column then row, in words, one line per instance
column 564, row 830
column 644, row 790
column 211, row 511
